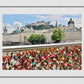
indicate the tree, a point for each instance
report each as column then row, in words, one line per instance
column 37, row 39
column 40, row 27
column 58, row 35
column 31, row 38
column 42, row 39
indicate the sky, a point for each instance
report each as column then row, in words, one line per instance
column 12, row 21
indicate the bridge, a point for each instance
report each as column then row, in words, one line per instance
column 28, row 47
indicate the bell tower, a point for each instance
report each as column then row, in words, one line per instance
column 71, row 24
column 5, row 30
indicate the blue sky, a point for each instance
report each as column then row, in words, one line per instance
column 13, row 20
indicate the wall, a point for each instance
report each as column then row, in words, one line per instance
column 72, row 36
column 69, row 36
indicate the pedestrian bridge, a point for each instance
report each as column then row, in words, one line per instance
column 28, row 47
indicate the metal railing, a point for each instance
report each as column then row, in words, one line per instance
column 28, row 47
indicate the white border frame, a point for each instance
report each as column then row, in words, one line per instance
column 41, row 10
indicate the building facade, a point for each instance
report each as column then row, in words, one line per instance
column 72, row 34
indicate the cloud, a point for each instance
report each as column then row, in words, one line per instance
column 10, row 28
column 50, row 17
column 17, row 24
column 41, row 16
column 61, row 18
column 54, row 22
column 67, row 19
column 78, row 22
column 78, row 25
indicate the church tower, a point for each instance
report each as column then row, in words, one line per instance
column 56, row 24
column 71, row 24
column 5, row 30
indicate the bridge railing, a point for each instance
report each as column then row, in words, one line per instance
column 28, row 47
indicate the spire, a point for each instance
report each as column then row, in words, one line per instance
column 5, row 26
column 5, row 30
column 56, row 23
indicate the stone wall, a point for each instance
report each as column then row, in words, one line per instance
column 70, row 36
column 73, row 36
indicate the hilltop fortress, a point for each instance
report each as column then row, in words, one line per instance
column 72, row 33
column 39, row 23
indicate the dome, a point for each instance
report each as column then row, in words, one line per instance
column 71, row 21
column 18, row 30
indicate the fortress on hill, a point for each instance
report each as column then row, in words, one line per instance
column 72, row 33
column 39, row 23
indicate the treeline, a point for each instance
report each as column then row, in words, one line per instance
column 37, row 39
column 40, row 27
